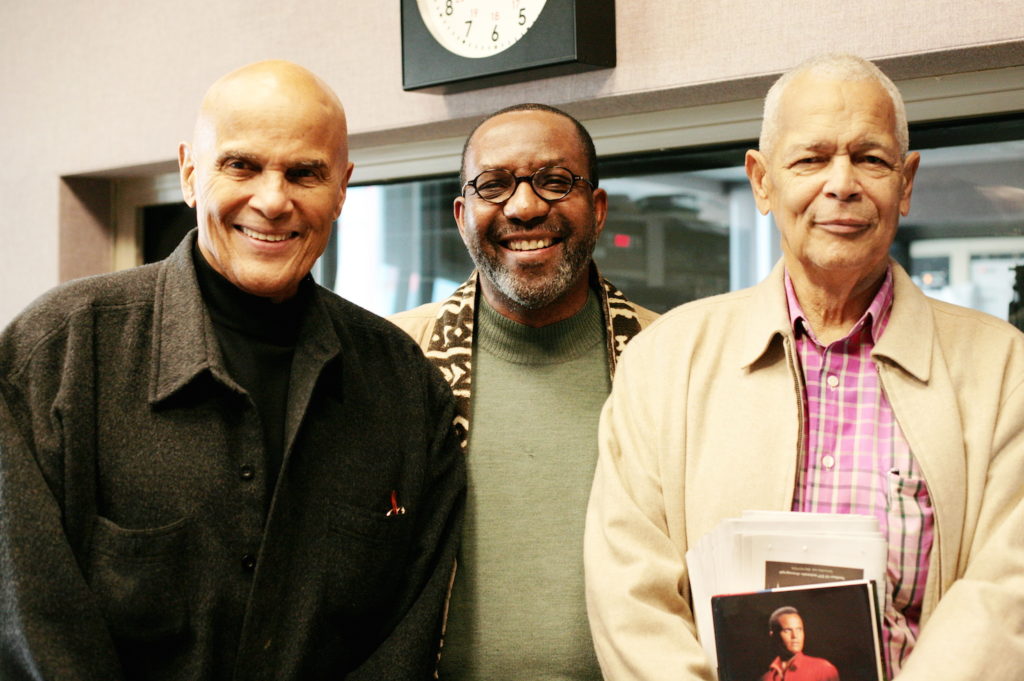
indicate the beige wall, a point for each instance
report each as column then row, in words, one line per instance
column 102, row 86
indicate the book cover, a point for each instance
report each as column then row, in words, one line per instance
column 826, row 631
column 772, row 549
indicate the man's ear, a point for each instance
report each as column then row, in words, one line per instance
column 909, row 172
column 459, row 209
column 187, row 174
column 600, row 210
column 756, row 166
column 343, row 190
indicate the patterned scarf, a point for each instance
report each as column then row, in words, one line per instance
column 451, row 342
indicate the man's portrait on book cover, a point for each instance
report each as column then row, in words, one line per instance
column 821, row 633
column 787, row 634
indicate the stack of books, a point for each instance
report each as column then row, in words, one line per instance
column 829, row 568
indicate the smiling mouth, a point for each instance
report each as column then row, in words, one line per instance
column 845, row 222
column 259, row 236
column 529, row 244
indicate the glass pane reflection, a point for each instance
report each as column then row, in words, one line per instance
column 396, row 246
column 965, row 232
column 683, row 225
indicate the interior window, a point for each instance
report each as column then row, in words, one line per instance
column 682, row 225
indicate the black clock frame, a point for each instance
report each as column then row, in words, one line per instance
column 569, row 36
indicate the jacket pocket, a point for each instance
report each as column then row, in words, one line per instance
column 370, row 556
column 140, row 579
column 376, row 527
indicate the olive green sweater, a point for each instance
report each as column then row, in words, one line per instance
column 517, row 609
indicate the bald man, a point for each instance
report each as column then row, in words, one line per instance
column 212, row 468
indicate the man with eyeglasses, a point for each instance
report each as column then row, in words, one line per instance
column 529, row 344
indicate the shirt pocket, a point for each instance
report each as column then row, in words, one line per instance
column 139, row 577
column 910, row 519
column 370, row 555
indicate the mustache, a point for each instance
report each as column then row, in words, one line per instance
column 556, row 226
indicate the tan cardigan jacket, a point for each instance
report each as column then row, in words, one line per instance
column 704, row 421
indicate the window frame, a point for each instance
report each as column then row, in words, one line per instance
column 933, row 99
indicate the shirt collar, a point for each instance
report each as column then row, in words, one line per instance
column 254, row 316
column 551, row 344
column 794, row 663
column 872, row 322
column 909, row 340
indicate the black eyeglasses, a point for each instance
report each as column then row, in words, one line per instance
column 497, row 185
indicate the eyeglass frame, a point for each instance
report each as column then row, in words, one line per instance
column 518, row 179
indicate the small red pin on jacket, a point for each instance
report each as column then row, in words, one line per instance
column 395, row 508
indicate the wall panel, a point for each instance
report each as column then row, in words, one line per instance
column 109, row 87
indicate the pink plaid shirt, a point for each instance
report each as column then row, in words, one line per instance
column 858, row 460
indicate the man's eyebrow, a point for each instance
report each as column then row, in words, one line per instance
column 229, row 155
column 872, row 143
column 233, row 155
column 547, row 162
column 818, row 146
column 813, row 145
column 312, row 164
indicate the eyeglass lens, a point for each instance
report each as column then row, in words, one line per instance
column 499, row 185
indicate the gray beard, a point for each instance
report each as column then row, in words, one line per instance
column 533, row 294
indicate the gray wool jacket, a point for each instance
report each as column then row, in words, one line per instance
column 135, row 540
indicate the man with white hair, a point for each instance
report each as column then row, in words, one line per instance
column 834, row 385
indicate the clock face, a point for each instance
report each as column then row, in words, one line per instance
column 479, row 28
column 457, row 45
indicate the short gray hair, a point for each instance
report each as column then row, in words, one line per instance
column 839, row 67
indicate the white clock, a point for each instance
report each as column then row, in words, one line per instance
column 479, row 28
column 456, row 45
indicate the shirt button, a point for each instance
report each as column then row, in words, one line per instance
column 248, row 562
column 828, row 461
column 832, row 380
column 246, row 472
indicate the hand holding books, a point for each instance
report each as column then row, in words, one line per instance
column 806, row 561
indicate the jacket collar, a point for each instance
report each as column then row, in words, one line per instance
column 909, row 338
column 906, row 342
column 184, row 342
column 768, row 317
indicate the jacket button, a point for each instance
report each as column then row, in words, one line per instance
column 246, row 472
column 248, row 562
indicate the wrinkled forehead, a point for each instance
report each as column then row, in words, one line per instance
column 283, row 105
column 812, row 105
column 275, row 117
column 526, row 140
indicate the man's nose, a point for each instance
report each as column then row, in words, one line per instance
column 271, row 196
column 841, row 182
column 524, row 205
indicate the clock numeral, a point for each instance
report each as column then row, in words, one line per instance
column 469, row 25
column 522, row 16
column 494, row 35
column 448, row 9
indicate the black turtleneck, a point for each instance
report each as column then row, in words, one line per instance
column 257, row 339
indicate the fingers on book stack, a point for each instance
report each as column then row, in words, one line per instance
column 777, row 593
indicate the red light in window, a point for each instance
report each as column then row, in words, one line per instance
column 622, row 240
